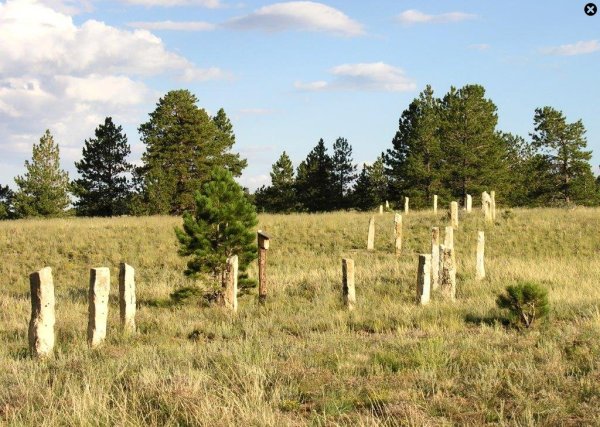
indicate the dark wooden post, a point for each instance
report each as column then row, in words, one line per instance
column 263, row 246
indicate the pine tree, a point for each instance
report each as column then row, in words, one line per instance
column 221, row 226
column 279, row 196
column 6, row 202
column 343, row 172
column 225, row 139
column 44, row 189
column 103, row 188
column 371, row 188
column 314, row 182
column 563, row 145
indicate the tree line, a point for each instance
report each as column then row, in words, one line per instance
column 448, row 146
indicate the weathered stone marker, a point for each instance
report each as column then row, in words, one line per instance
column 380, row 209
column 448, row 273
column 435, row 257
column 127, row 297
column 263, row 247
column 480, row 269
column 406, row 201
column 348, row 290
column 371, row 235
column 387, row 205
column 449, row 237
column 398, row 233
column 493, row 204
column 486, row 206
column 469, row 203
column 41, row 324
column 231, row 283
column 454, row 214
column 435, row 197
column 98, row 305
column 424, row 279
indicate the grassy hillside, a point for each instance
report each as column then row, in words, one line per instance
column 301, row 359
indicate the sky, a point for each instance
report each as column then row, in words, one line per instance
column 286, row 73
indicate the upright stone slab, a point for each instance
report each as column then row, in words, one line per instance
column 435, row 199
column 98, row 305
column 380, row 209
column 493, row 204
column 371, row 235
column 41, row 324
column 449, row 237
column 486, row 206
column 398, row 233
column 424, row 279
column 480, row 268
column 469, row 203
column 230, row 290
column 448, row 273
column 387, row 205
column 263, row 247
column 435, row 257
column 406, row 201
column 348, row 290
column 127, row 297
column 454, row 214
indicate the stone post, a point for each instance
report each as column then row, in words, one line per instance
column 469, row 203
column 493, row 204
column 424, row 279
column 398, row 233
column 263, row 247
column 380, row 209
column 98, row 305
column 435, row 197
column 449, row 237
column 127, row 297
column 406, row 201
column 387, row 205
column 480, row 269
column 454, row 214
column 435, row 257
column 371, row 235
column 348, row 290
column 231, row 283
column 41, row 324
column 448, row 273
column 486, row 206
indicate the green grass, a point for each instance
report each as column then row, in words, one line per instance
column 301, row 358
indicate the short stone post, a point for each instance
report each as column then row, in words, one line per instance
column 380, row 209
column 398, row 233
column 231, row 283
column 424, row 279
column 454, row 214
column 480, row 269
column 98, row 305
column 348, row 290
column 371, row 235
column 469, row 203
column 435, row 197
column 127, row 297
column 263, row 247
column 449, row 237
column 486, row 206
column 493, row 204
column 406, row 201
column 387, row 205
column 41, row 324
column 435, row 257
column 448, row 273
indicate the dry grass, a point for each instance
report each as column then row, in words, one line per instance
column 301, row 359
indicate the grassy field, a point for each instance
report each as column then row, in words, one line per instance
column 301, row 358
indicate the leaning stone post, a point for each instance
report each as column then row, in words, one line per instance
column 435, row 257
column 348, row 291
column 98, row 305
column 435, row 197
column 263, row 247
column 480, row 269
column 454, row 214
column 41, row 324
column 493, row 204
column 398, row 233
column 486, row 206
column 469, row 203
column 371, row 235
column 231, row 283
column 406, row 200
column 380, row 209
column 448, row 273
column 127, row 297
column 424, row 279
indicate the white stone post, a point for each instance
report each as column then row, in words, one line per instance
column 449, row 237
column 454, row 214
column 486, row 206
column 424, row 279
column 398, row 233
column 435, row 257
column 387, row 205
column 406, row 201
column 41, row 324
column 435, row 200
column 448, row 273
column 348, row 290
column 127, row 297
column 98, row 305
column 231, row 283
column 480, row 269
column 469, row 203
column 371, row 235
column 493, row 204
column 380, row 209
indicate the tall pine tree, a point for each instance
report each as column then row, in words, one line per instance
column 343, row 172
column 6, row 202
column 280, row 195
column 314, row 180
column 371, row 188
column 103, row 188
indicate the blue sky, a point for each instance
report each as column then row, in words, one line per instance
column 287, row 73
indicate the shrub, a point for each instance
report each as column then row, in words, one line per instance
column 525, row 302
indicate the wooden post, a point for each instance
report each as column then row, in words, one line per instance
column 424, row 279
column 231, row 281
column 371, row 235
column 406, row 205
column 493, row 204
column 348, row 290
column 398, row 233
column 263, row 247
column 127, row 297
column 448, row 273
column 480, row 269
column 469, row 203
column 435, row 257
column 98, row 305
column 41, row 324
column 454, row 214
column 435, row 198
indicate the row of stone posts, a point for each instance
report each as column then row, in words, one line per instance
column 41, row 324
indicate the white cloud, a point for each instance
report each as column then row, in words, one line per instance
column 211, row 4
column 69, row 7
column 579, row 48
column 376, row 76
column 298, row 16
column 480, row 46
column 254, row 182
column 175, row 26
column 413, row 16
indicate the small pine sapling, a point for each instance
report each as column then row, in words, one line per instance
column 526, row 302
